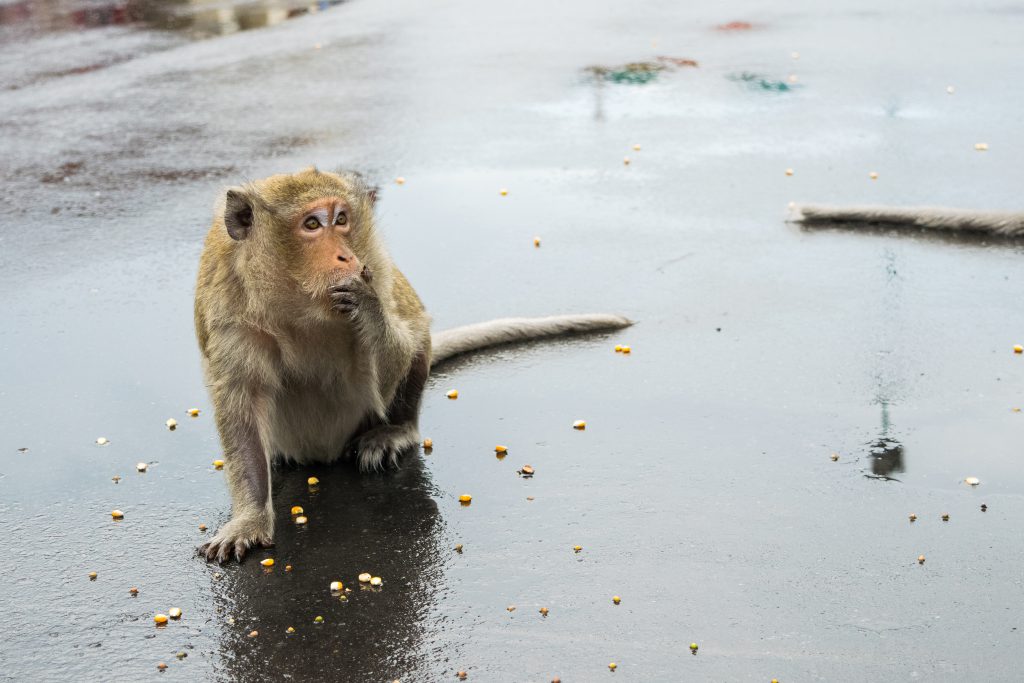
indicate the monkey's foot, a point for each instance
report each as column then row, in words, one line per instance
column 237, row 537
column 384, row 445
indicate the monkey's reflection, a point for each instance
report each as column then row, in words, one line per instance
column 384, row 524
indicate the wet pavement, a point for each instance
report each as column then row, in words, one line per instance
column 702, row 491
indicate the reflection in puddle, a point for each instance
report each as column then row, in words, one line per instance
column 886, row 456
column 387, row 525
column 197, row 17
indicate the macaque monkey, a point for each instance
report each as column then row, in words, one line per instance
column 315, row 346
column 995, row 223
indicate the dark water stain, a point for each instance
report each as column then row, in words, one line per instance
column 199, row 18
column 761, row 82
column 639, row 73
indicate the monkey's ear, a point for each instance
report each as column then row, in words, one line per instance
column 238, row 214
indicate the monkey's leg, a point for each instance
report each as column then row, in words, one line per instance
column 248, row 473
column 384, row 443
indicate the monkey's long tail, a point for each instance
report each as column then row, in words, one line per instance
column 1002, row 223
column 460, row 340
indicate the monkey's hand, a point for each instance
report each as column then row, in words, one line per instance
column 356, row 296
column 237, row 537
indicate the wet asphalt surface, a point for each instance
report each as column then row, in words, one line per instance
column 702, row 491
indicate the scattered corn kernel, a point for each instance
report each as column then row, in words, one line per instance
column 181, row 655
column 454, row 393
column 289, row 630
column 536, row 241
column 834, row 457
column 693, row 647
column 400, row 180
column 792, row 78
column 115, row 479
column 625, row 161
column 428, row 443
column 981, row 146
column 287, row 567
column 160, row 618
column 500, row 449
column 269, row 562
column 616, row 599
column 636, row 148
column 312, row 481
column 172, row 424
column 336, row 586
column 920, row 559
column 618, row 348
column 544, row 611
column 174, row 613
column 116, row 514
column 133, row 590
column 795, row 55
column 945, row 517
column 873, row 175
column 318, row 620
column 193, row 412
column 218, row 464
column 511, row 608
column 503, row 192
column 301, row 519
column 789, row 171
column 202, row 527
column 613, row 666
column 102, row 441
column 577, row 548
column 365, row 577
column 527, row 471
column 141, row 467
column 462, row 675
column 458, row 548
column 92, row 576
column 913, row 517
column 579, row 424
column 253, row 634
column 161, row 666
column 626, row 349
column 465, row 498
column 297, row 510
column 376, row 581
column 973, row 481
column 1018, row 348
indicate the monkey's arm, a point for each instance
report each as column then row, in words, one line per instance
column 242, row 408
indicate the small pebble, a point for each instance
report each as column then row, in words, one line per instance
column 500, row 449
column 428, row 444
column 336, row 586
column 172, row 424
column 579, row 424
column 376, row 581
column 141, row 467
column 133, row 591
column 318, row 620
column 616, row 599
column 269, row 562
column 193, row 412
column 945, row 517
column 92, row 576
column 312, row 481
column 920, row 559
column 543, row 611
column 218, row 464
column 365, row 577
column 453, row 394
column 984, row 508
column 117, row 514
column 160, row 619
column 290, row 629
column 301, row 519
column 981, row 146
column 789, row 171
column 161, row 666
column 400, row 180
column 873, row 175
column 253, row 634
column 950, row 89
column 174, row 613
column 465, row 499
column 102, row 441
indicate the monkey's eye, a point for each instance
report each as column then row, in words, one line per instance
column 311, row 223
column 342, row 219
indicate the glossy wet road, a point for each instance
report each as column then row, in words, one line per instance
column 702, row 491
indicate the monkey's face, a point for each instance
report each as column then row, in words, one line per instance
column 322, row 232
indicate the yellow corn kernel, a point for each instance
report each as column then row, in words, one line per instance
column 920, row 559
column 202, row 527
column 981, row 146
column 789, row 171
column 102, row 441
column 365, row 577
column 873, row 175
column 465, row 498
column 1018, row 348
column 503, row 192
column 337, row 586
column 636, row 148
column 400, row 180
column 193, row 412
column 289, row 630
column 174, row 613
column 92, row 576
column 160, row 618
column 116, row 514
column 543, row 611
column 618, row 348
column 428, row 443
column 253, row 633
column 693, row 647
column 301, row 519
column 172, row 424
column 626, row 349
column 312, row 481
column 141, row 467
column 218, row 464
column 579, row 424
column 613, row 666
column 297, row 510
column 577, row 548
column 500, row 449
column 913, row 517
column 269, row 562
column 454, row 393
column 318, row 619
column 625, row 161
column 536, row 241
column 376, row 581
column 616, row 599
column 973, row 481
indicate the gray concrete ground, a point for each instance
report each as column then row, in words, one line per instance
column 702, row 491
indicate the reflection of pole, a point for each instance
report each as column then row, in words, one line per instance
column 598, row 74
column 886, row 452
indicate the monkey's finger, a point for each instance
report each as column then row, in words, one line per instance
column 224, row 553
column 241, row 547
column 367, row 274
